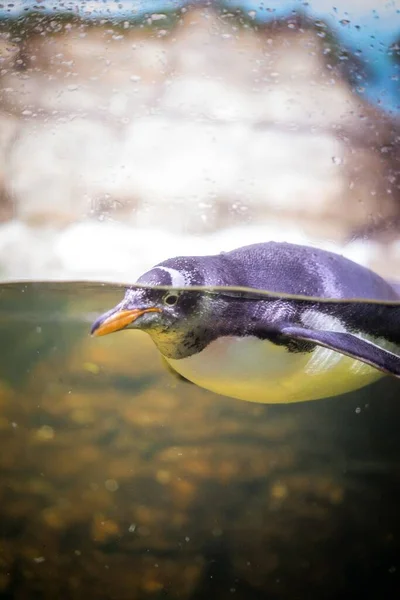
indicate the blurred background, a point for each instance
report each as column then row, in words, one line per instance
column 133, row 131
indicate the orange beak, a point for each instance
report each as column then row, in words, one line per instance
column 118, row 320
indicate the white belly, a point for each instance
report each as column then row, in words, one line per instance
column 259, row 371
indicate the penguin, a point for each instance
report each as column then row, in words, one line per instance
column 324, row 326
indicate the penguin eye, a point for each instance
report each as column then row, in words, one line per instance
column 171, row 299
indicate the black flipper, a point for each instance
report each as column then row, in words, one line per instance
column 350, row 345
column 173, row 372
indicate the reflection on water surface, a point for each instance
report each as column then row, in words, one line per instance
column 119, row 482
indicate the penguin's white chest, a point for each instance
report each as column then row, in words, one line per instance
column 259, row 371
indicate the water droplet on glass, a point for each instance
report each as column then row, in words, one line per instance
column 111, row 485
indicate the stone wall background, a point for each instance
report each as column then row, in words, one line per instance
column 189, row 132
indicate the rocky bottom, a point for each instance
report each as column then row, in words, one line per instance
column 117, row 482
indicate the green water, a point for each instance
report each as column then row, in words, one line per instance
column 118, row 482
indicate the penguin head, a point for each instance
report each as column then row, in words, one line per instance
column 168, row 316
